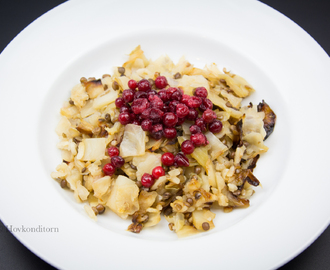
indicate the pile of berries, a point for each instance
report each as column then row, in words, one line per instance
column 159, row 112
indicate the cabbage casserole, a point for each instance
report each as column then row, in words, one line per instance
column 131, row 160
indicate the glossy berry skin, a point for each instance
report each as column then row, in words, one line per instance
column 185, row 99
column 209, row 116
column 198, row 139
column 158, row 172
column 192, row 115
column 215, row 126
column 157, row 131
column 113, row 151
column 163, row 96
column 128, row 95
column 182, row 110
column 170, row 133
column 144, row 85
column 195, row 102
column 117, row 161
column 124, row 118
column 173, row 105
column 146, row 125
column 195, row 129
column 200, row 123
column 161, row 82
column 139, row 105
column 124, row 108
column 170, row 119
column 167, row 159
column 206, row 104
column 132, row 84
column 200, row 92
column 119, row 102
column 147, row 180
column 180, row 121
column 170, row 91
column 176, row 95
column 180, row 160
column 187, row 147
column 109, row 169
column 140, row 94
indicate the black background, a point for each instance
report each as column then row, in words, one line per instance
column 313, row 16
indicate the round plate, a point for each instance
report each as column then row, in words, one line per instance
column 85, row 38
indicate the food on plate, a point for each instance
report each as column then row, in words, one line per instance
column 162, row 139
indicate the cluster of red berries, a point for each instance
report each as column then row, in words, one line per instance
column 147, row 180
column 116, row 161
column 160, row 112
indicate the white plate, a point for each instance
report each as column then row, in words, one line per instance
column 87, row 38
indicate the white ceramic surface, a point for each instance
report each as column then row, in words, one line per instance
column 87, row 38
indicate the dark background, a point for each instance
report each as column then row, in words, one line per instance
column 313, row 16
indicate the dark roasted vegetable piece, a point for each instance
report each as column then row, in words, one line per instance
column 270, row 118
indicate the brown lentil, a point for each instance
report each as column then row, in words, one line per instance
column 121, row 70
column 198, row 195
column 83, row 80
column 104, row 133
column 115, row 85
column 222, row 80
column 83, row 170
column 97, row 131
column 107, row 117
column 132, row 166
column 206, row 226
column 100, row 208
column 168, row 211
column 71, row 102
column 198, row 169
column 171, row 226
column 64, row 183
column 190, row 201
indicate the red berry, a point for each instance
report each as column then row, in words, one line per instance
column 155, row 115
column 170, row 119
column 206, row 104
column 124, row 118
column 167, row 159
column 146, row 125
column 201, row 92
column 182, row 110
column 147, row 180
column 194, row 102
column 139, row 105
column 180, row 160
column 209, row 116
column 170, row 133
column 136, row 122
column 124, row 108
column 163, row 96
column 158, row 172
column 173, row 105
column 195, row 129
column 109, row 169
column 140, row 94
column 157, row 131
column 187, row 147
column 200, row 123
column 128, row 95
column 117, row 161
column 215, row 126
column 192, row 115
column 113, row 151
column 180, row 121
column 144, row 85
column 119, row 102
column 161, row 82
column 176, row 95
column 198, row 139
column 185, row 99
column 132, row 84
column 155, row 101
column 170, row 91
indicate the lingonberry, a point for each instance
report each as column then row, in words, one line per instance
column 215, row 126
column 173, row 105
column 161, row 82
column 144, row 85
column 192, row 115
column 187, row 147
column 140, row 94
column 194, row 102
column 180, row 160
column 124, row 118
column 139, row 105
column 156, row 102
column 113, row 151
column 117, row 161
column 200, row 92
column 158, row 172
column 198, row 139
column 132, row 84
column 147, row 180
column 167, row 159
column 163, row 96
column 109, row 169
column 170, row 133
column 206, row 104
column 170, row 119
column 195, row 129
column 200, row 123
column 119, row 102
column 146, row 125
column 128, row 95
column 182, row 110
column 209, row 116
